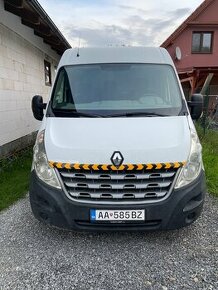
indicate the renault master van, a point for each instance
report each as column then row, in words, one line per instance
column 117, row 148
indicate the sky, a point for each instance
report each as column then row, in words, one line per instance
column 118, row 22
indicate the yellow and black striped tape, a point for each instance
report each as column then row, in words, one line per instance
column 108, row 167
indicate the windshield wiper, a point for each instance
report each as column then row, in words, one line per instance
column 133, row 114
column 74, row 113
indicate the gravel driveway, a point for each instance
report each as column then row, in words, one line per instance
column 34, row 256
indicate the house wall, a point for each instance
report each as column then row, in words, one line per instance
column 184, row 41
column 22, row 56
column 189, row 59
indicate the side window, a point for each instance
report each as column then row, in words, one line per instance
column 47, row 69
column 62, row 96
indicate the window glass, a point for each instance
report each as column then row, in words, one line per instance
column 206, row 45
column 108, row 88
column 202, row 42
column 196, row 42
column 47, row 69
column 63, row 96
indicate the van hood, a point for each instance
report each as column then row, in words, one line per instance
column 140, row 139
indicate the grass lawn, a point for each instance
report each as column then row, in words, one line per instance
column 15, row 172
column 209, row 142
column 14, row 177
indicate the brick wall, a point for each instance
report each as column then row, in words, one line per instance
column 21, row 77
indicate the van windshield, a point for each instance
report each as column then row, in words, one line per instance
column 109, row 90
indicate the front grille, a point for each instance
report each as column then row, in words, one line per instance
column 117, row 185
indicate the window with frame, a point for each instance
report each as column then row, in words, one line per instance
column 117, row 88
column 202, row 42
column 47, row 69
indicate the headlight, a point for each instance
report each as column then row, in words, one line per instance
column 40, row 163
column 193, row 167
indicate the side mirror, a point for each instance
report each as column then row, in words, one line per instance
column 196, row 106
column 37, row 107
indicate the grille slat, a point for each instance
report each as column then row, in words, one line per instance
column 118, row 196
column 117, row 185
column 115, row 176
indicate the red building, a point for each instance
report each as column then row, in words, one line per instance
column 194, row 49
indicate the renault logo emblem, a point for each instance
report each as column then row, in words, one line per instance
column 117, row 158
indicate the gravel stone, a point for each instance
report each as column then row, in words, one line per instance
column 36, row 256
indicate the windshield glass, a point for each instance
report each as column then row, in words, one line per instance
column 107, row 89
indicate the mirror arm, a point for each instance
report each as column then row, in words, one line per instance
column 190, row 104
column 44, row 106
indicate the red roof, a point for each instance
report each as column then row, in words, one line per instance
column 198, row 11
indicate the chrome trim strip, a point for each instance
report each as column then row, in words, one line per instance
column 100, row 176
column 114, row 186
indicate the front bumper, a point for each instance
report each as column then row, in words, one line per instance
column 180, row 209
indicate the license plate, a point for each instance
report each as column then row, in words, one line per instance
column 117, row 215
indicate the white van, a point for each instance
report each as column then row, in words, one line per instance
column 117, row 148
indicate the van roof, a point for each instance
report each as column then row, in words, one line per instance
column 156, row 55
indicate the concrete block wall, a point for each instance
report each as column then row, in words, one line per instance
column 22, row 56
